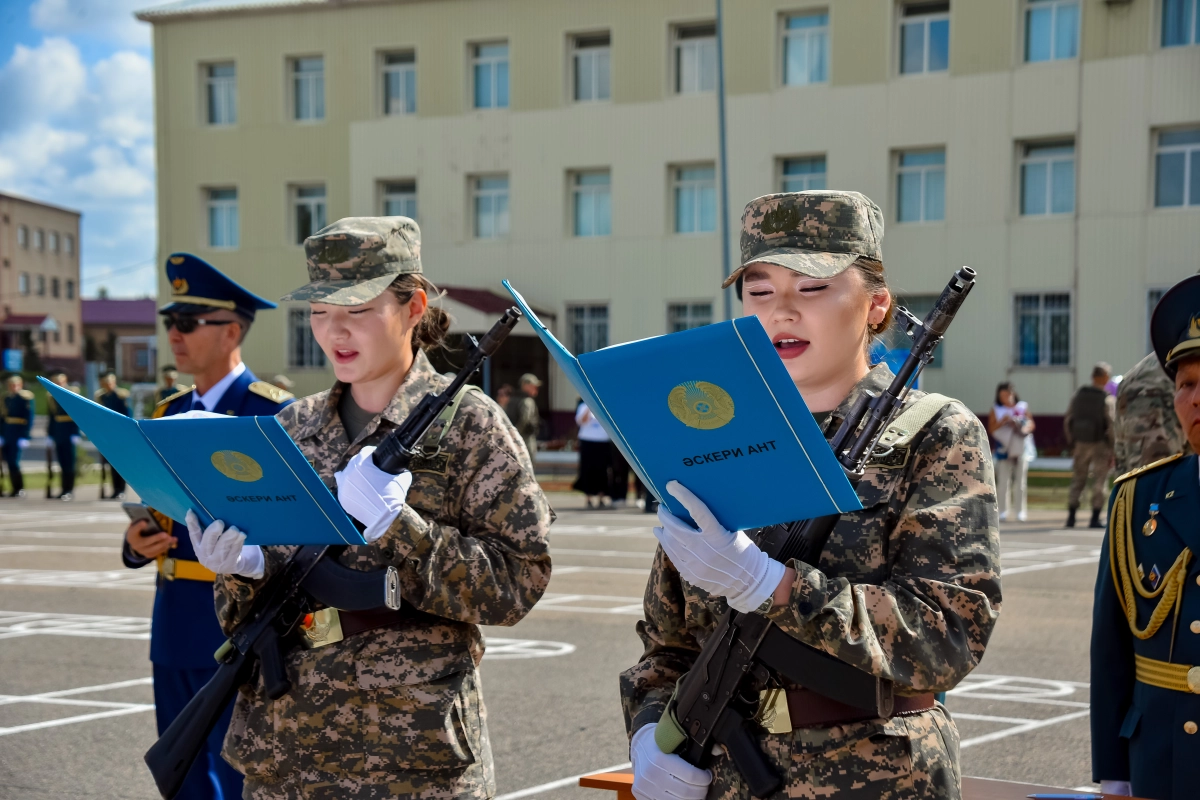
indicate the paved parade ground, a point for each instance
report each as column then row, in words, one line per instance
column 76, row 709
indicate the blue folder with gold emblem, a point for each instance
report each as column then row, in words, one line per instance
column 715, row 409
column 245, row 471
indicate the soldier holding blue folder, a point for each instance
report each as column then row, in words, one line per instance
column 206, row 321
column 907, row 589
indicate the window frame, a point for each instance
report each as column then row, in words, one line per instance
column 294, row 203
column 927, row 20
column 55, row 288
column 217, row 205
column 39, row 284
column 402, row 197
column 493, row 62
column 677, row 184
column 295, row 76
column 210, row 86
column 52, row 241
column 786, row 34
column 1024, row 160
column 24, row 285
column 578, row 190
column 579, row 49
column 309, row 350
column 689, row 308
column 1193, row 35
column 69, row 289
column 70, row 333
column 69, row 244
column 39, row 240
column 1190, row 151
column 579, row 348
column 399, row 68
column 680, row 41
column 781, row 175
column 23, row 237
column 899, row 169
column 1054, row 5
column 478, row 193
column 1044, row 315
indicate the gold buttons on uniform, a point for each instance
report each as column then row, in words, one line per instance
column 1195, row 626
column 1190, row 727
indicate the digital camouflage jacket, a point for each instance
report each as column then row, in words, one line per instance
column 397, row 712
column 907, row 589
column 1146, row 427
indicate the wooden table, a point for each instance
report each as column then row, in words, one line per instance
column 973, row 788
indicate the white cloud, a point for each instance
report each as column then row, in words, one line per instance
column 33, row 153
column 112, row 176
column 39, row 83
column 109, row 20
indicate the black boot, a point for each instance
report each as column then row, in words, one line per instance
column 1095, row 523
column 1071, row 516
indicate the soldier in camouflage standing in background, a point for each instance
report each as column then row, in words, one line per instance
column 387, row 704
column 1147, row 428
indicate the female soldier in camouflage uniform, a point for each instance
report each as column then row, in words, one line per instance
column 907, row 589
column 392, row 709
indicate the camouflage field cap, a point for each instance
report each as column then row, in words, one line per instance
column 355, row 259
column 816, row 233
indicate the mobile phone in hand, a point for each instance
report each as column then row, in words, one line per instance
column 138, row 513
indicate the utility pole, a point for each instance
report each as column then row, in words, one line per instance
column 724, row 204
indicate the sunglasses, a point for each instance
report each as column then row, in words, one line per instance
column 189, row 324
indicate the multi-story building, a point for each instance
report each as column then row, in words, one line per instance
column 571, row 146
column 39, row 284
column 119, row 334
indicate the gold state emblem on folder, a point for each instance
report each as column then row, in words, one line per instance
column 238, row 466
column 702, row 405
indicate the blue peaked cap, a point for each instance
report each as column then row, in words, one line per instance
column 1175, row 324
column 198, row 287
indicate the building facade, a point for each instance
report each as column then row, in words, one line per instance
column 119, row 335
column 39, row 285
column 571, row 146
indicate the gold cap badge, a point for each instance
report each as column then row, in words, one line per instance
column 179, row 286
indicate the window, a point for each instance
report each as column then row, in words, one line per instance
column 802, row 174
column 141, row 358
column 23, row 237
column 805, row 49
column 53, row 241
column 399, row 83
column 685, row 316
column 303, row 350
column 223, row 218
column 589, row 327
column 39, row 239
column 1048, row 179
column 1152, row 298
column 592, row 200
column 695, row 59
column 308, row 205
column 220, row 92
column 490, row 203
column 1180, row 22
column 70, row 289
column 1177, row 169
column 489, row 66
column 23, row 283
column 921, row 186
column 54, row 285
column 592, row 62
column 57, row 337
column 1042, row 328
column 41, row 285
column 69, row 244
column 400, row 199
column 1051, row 30
column 695, row 199
column 924, row 38
column 308, row 89
column 70, row 332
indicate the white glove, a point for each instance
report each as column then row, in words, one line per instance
column 224, row 550
column 721, row 563
column 76, row 439
column 1121, row 788
column 22, row 444
column 370, row 495
column 663, row 776
column 197, row 414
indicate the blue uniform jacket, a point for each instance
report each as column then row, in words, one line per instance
column 18, row 418
column 184, row 632
column 60, row 427
column 116, row 400
column 1141, row 733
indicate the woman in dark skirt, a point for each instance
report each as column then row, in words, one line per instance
column 595, row 458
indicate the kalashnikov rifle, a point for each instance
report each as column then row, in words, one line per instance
column 716, row 699
column 309, row 576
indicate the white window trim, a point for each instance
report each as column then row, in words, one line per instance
column 712, row 312
column 229, row 82
column 782, row 177
column 694, row 184
column 786, row 34
column 1054, row 6
column 385, row 196
column 385, row 69
column 570, row 322
column 309, row 78
column 693, row 46
column 1049, row 161
column 478, row 193
column 1044, row 355
column 493, row 61
column 926, row 20
column 923, row 169
column 593, row 52
column 68, row 244
column 1188, row 201
column 1193, row 34
column 578, row 191
column 288, row 341
column 226, row 205
column 296, row 201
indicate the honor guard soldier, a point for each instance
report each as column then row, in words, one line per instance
column 114, row 398
column 65, row 434
column 18, row 420
column 206, row 321
column 1145, row 685
column 168, row 389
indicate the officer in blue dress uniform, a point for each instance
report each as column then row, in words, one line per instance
column 114, row 398
column 18, row 420
column 65, row 434
column 168, row 389
column 1145, row 709
column 206, row 321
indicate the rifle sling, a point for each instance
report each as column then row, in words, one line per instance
column 822, row 673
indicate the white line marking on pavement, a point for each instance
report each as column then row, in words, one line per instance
column 600, row 530
column 558, row 784
column 55, row 698
column 16, row 624
column 560, row 569
column 1026, row 728
column 57, row 548
column 1074, row 562
column 1016, row 689
column 552, row 601
column 576, row 551
column 508, row 649
column 41, row 520
column 142, row 580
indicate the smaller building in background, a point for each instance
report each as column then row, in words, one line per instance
column 40, row 324
column 119, row 334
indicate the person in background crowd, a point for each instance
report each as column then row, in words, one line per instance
column 595, row 460
column 169, row 376
column 114, row 398
column 618, row 485
column 1011, row 425
column 1146, row 426
column 63, row 431
column 523, row 411
column 1089, row 428
column 283, row 382
column 18, row 420
column 503, row 397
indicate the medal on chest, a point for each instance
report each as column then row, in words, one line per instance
column 1151, row 525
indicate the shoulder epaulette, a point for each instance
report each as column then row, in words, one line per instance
column 98, row 394
column 25, row 393
column 1133, row 473
column 271, row 392
column 122, row 393
column 173, row 397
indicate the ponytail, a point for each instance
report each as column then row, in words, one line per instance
column 434, row 324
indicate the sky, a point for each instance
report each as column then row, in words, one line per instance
column 77, row 128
